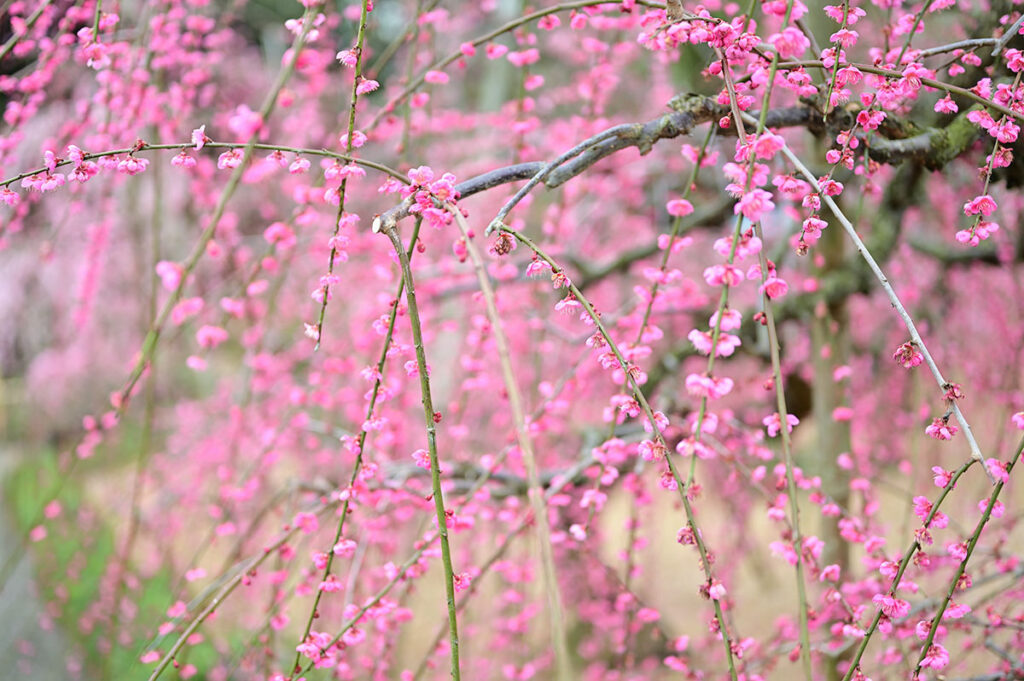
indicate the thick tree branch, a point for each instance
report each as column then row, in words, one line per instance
column 933, row 148
column 688, row 113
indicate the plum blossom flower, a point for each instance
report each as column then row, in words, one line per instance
column 690, row 446
column 679, row 207
column 731, row 320
column 830, row 187
column 774, row 423
column 940, row 476
column 957, row 611
column 210, row 336
column 199, row 138
column 702, row 385
column 660, row 421
column 941, row 429
column 358, row 139
column 844, row 37
column 229, row 159
column 1014, row 60
column 958, row 550
column 936, row 658
column 830, row 573
column 313, row 646
column 170, row 274
column 892, row 607
column 984, row 205
column 997, row 469
column 461, row 581
column 183, row 160
column 946, row 105
column 436, row 77
column 346, row 548
column 723, row 275
column 347, row 58
column 1006, row 131
column 422, row 458
column 908, row 355
column 702, row 340
column 870, row 120
column 768, row 144
column 245, row 122
column 923, row 507
column 280, row 234
column 496, row 50
column 189, row 307
column 331, row 585
column 812, row 228
column 791, row 43
column 980, row 118
column 306, row 522
column 773, row 287
column 746, row 246
column 755, row 204
column 366, row 86
column 836, row 13
column 651, row 450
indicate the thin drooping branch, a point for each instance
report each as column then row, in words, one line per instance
column 521, row 426
column 648, row 412
column 893, row 298
column 557, row 485
column 430, row 420
column 962, row 567
column 152, row 338
column 222, row 588
column 357, row 466
column 451, row 58
column 348, row 135
column 775, row 353
column 928, row 82
column 908, row 555
column 141, row 146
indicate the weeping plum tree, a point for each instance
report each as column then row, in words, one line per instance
column 497, row 340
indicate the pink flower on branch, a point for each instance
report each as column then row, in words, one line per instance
column 937, row 657
column 199, row 138
column 980, row 205
column 891, row 606
column 755, row 204
column 941, row 429
column 366, row 86
column 908, row 356
column 773, row 423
